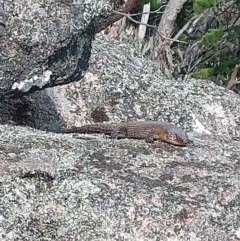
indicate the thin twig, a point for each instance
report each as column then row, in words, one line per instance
column 156, row 11
column 183, row 29
column 148, row 25
column 103, row 23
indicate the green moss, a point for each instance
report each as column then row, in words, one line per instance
column 203, row 73
column 212, row 36
column 200, row 5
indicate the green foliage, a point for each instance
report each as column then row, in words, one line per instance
column 203, row 73
column 226, row 67
column 183, row 37
column 235, row 31
column 200, row 5
column 212, row 36
column 155, row 4
column 218, row 52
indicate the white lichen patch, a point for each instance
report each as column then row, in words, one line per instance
column 238, row 233
column 198, row 126
column 39, row 81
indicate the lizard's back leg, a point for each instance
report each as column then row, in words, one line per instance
column 119, row 131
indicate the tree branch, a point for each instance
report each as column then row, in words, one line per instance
column 115, row 16
column 233, row 81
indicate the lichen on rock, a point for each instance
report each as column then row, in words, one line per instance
column 39, row 37
column 88, row 187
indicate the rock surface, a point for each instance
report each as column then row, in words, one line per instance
column 87, row 187
column 45, row 43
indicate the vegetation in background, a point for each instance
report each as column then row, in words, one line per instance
column 203, row 73
column 209, row 31
column 213, row 36
column 200, row 5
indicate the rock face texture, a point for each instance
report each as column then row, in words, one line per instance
column 44, row 43
column 87, row 187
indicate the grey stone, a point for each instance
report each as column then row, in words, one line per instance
column 44, row 43
column 88, row 187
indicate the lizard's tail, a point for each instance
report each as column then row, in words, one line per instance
column 105, row 128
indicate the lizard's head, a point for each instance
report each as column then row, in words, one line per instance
column 176, row 136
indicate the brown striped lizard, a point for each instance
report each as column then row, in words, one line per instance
column 148, row 130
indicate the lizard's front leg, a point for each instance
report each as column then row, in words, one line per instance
column 150, row 136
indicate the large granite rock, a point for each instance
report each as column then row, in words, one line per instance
column 86, row 187
column 45, row 43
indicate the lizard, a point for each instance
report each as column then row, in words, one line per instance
column 148, row 130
